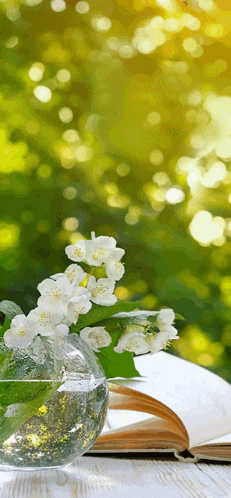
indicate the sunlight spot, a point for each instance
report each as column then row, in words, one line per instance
column 65, row 114
column 174, row 195
column 42, row 93
column 36, row 71
column 82, row 7
column 58, row 5
column 101, row 23
column 156, row 157
column 206, row 229
column 63, row 75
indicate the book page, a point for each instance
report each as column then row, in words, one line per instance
column 117, row 419
column 226, row 439
column 201, row 399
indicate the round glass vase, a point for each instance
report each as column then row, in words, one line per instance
column 53, row 402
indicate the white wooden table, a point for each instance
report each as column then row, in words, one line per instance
column 120, row 477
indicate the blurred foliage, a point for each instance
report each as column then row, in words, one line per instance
column 116, row 117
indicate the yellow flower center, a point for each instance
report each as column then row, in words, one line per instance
column 78, row 252
column 22, row 331
column 44, row 318
column 97, row 337
column 71, row 274
column 118, row 265
column 100, row 290
column 98, row 253
column 55, row 296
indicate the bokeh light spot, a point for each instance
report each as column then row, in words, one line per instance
column 63, row 75
column 100, row 23
column 9, row 235
column 156, row 157
column 70, row 224
column 71, row 136
column 69, row 193
column 154, row 118
column 58, row 5
column 65, row 114
column 42, row 93
column 82, row 7
column 174, row 195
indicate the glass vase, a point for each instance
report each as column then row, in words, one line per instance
column 53, row 402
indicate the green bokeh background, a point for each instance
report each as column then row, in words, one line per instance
column 146, row 97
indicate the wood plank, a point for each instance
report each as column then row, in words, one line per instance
column 116, row 477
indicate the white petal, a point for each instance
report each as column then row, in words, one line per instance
column 165, row 317
column 117, row 253
column 115, row 269
column 63, row 285
column 79, row 291
column 75, row 273
column 96, row 337
column 76, row 252
column 62, row 329
column 42, row 320
column 56, row 276
column 103, row 287
column 104, row 240
column 47, row 331
column 18, row 320
column 46, row 286
column 57, row 318
column 134, row 342
column 98, row 250
column 13, row 338
column 169, row 330
column 160, row 340
column 105, row 301
column 46, row 303
column 78, row 306
column 91, row 283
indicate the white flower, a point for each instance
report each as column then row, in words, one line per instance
column 165, row 317
column 78, row 305
column 114, row 267
column 76, row 252
column 96, row 337
column 74, row 273
column 61, row 330
column 21, row 333
column 80, row 291
column 132, row 341
column 102, row 291
column 54, row 295
column 99, row 249
column 162, row 339
column 45, row 320
column 133, row 327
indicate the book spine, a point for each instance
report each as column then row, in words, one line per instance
column 186, row 456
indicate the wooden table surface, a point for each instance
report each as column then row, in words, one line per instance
column 120, row 477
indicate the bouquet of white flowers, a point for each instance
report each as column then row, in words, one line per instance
column 53, row 391
column 75, row 301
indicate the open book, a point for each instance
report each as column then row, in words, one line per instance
column 177, row 407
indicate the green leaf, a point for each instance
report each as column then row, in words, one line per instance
column 117, row 364
column 179, row 317
column 5, row 326
column 126, row 318
column 24, row 411
column 99, row 313
column 10, row 309
column 19, row 392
